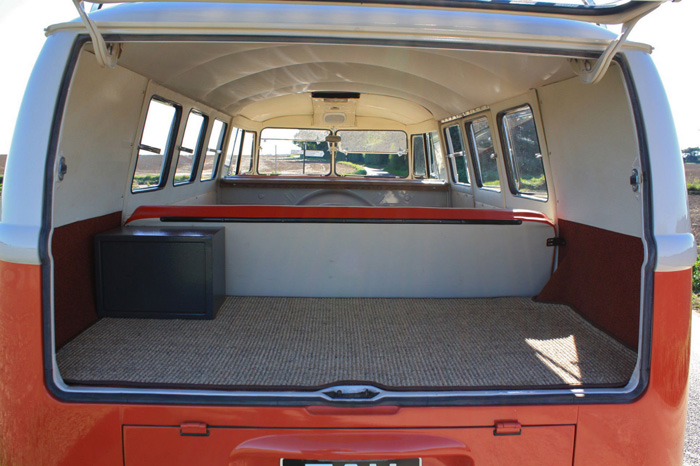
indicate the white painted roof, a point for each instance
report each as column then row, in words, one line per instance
column 598, row 11
column 327, row 18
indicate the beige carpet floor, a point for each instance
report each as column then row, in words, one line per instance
column 310, row 342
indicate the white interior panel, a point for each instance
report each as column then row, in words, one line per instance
column 239, row 78
column 593, row 145
column 98, row 129
column 385, row 260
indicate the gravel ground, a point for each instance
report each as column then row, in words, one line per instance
column 694, row 206
column 692, row 427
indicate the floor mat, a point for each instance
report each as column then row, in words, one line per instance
column 306, row 342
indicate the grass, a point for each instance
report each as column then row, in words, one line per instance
column 141, row 181
column 400, row 172
column 359, row 169
column 534, row 184
column 693, row 185
column 695, row 298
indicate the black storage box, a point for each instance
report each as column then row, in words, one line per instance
column 175, row 273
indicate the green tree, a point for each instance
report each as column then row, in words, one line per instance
column 691, row 155
column 314, row 140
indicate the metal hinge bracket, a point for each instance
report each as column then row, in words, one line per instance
column 592, row 73
column 556, row 241
column 106, row 54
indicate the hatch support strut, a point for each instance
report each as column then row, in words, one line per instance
column 592, row 74
column 106, row 54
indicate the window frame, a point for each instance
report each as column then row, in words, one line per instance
column 426, row 174
column 252, row 168
column 438, row 170
column 168, row 150
column 197, row 151
column 218, row 151
column 452, row 155
column 508, row 156
column 474, row 152
column 432, row 170
column 233, row 141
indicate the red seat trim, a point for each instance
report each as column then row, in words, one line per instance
column 335, row 212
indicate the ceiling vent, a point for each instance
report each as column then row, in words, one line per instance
column 335, row 95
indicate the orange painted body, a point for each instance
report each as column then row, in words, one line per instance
column 37, row 429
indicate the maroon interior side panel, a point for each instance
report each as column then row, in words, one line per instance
column 599, row 275
column 74, row 274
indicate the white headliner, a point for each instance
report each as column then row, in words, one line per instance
column 407, row 85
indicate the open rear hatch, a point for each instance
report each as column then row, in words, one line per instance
column 384, row 302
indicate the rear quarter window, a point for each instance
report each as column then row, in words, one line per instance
column 485, row 159
column 190, row 148
column 457, row 154
column 214, row 150
column 156, row 145
column 524, row 156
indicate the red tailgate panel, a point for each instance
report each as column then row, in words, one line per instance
column 227, row 446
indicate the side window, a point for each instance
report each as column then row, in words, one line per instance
column 234, row 151
column 418, row 144
column 524, row 161
column 245, row 160
column 191, row 147
column 156, row 145
column 456, row 153
column 214, row 150
column 485, row 161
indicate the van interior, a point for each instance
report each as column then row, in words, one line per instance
column 253, row 214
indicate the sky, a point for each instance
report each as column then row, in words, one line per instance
column 672, row 29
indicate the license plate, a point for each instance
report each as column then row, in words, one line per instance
column 401, row 462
